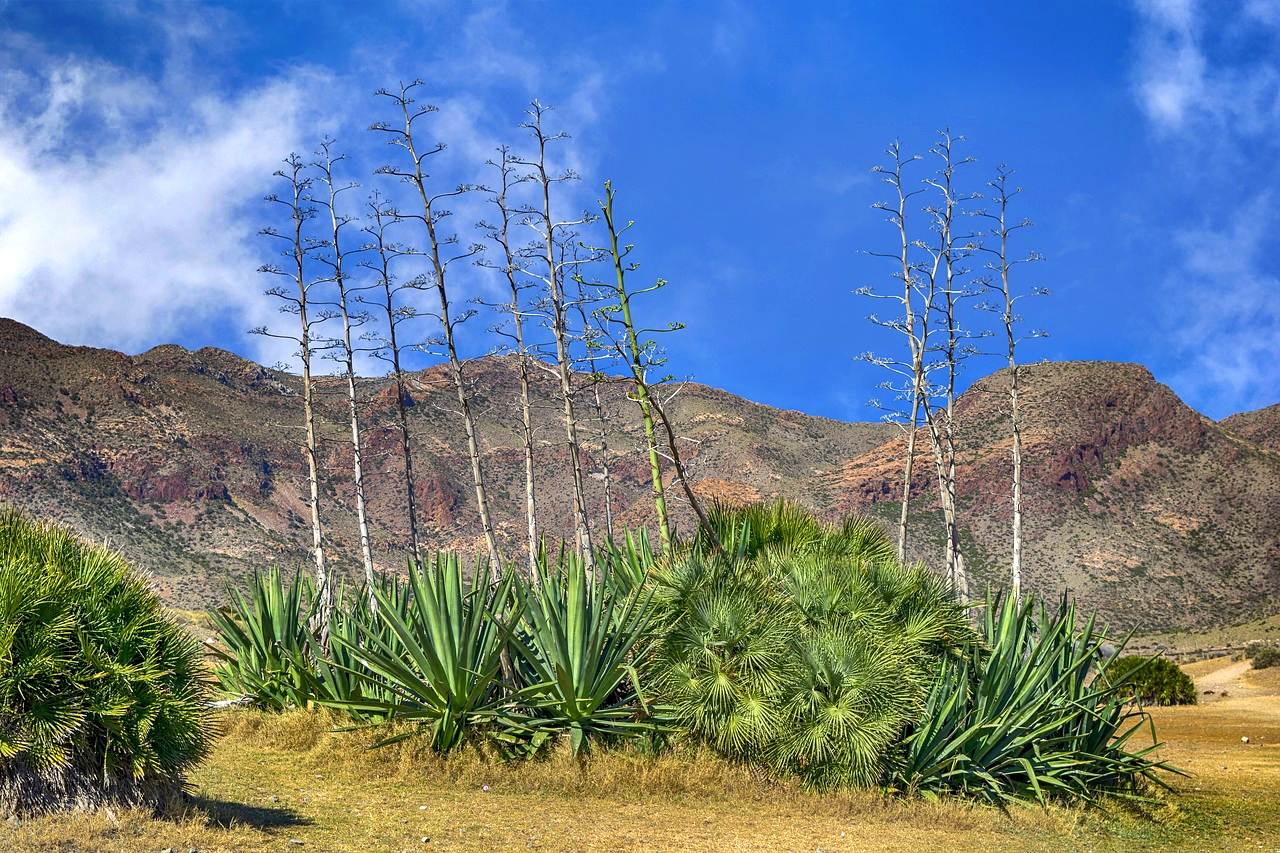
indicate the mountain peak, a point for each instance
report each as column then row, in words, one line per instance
column 12, row 331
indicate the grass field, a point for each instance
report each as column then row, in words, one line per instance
column 1265, row 628
column 287, row 783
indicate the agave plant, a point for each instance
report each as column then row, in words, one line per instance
column 103, row 698
column 265, row 642
column 1032, row 715
column 577, row 641
column 334, row 672
column 436, row 658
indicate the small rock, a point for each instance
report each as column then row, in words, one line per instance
column 426, row 839
column 484, row 788
column 167, row 850
column 1244, row 739
column 422, row 808
column 193, row 850
column 274, row 798
column 297, row 841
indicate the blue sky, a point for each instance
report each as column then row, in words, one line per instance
column 137, row 139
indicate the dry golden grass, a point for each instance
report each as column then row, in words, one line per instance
column 273, row 779
column 1267, row 627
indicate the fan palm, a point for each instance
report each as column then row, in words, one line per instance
column 102, row 696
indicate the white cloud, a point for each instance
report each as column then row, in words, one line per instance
column 1196, row 68
column 1223, row 312
column 1207, row 77
column 131, row 205
column 133, row 198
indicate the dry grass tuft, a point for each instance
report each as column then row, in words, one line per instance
column 317, row 739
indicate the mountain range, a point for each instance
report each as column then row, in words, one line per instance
column 1148, row 512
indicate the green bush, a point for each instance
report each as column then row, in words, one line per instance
column 798, row 646
column 1152, row 680
column 1263, row 655
column 268, row 652
column 103, row 698
column 1031, row 714
column 437, row 664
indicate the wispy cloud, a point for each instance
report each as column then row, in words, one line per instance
column 1199, row 66
column 1207, row 78
column 133, row 189
column 126, row 216
column 1223, row 314
column 732, row 31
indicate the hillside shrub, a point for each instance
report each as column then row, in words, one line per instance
column 1032, row 713
column 797, row 646
column 1263, row 655
column 1152, row 680
column 103, row 698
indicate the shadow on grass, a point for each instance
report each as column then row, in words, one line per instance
column 225, row 813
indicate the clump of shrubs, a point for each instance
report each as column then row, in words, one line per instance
column 103, row 697
column 802, row 649
column 1263, row 655
column 1152, row 680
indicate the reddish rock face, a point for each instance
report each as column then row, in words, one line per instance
column 440, row 502
column 173, row 487
column 385, row 400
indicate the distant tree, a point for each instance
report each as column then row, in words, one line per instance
column 551, row 231
column 509, row 265
column 332, row 253
column 1000, row 229
column 297, row 301
column 390, row 289
column 441, row 253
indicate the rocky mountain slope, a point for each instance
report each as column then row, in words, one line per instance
column 1261, row 426
column 188, row 462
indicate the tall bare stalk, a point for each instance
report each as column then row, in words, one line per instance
column 333, row 255
column 945, row 291
column 1001, row 228
column 908, row 321
column 617, row 327
column 500, row 234
column 297, row 301
column 595, row 356
column 389, row 349
column 433, row 212
column 542, row 218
